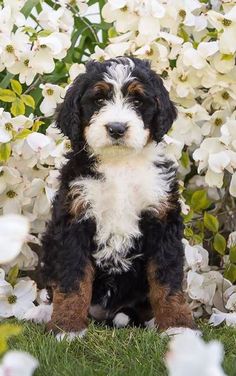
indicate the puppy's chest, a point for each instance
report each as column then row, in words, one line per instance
column 116, row 201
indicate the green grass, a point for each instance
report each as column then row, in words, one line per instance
column 129, row 352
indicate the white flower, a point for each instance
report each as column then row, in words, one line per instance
column 196, row 256
column 16, row 301
column 218, row 317
column 227, row 23
column 75, row 70
column 12, row 46
column 18, row 363
column 231, row 303
column 9, row 176
column 197, row 58
column 190, row 355
column 53, row 94
column 13, row 231
column 206, row 287
column 232, row 239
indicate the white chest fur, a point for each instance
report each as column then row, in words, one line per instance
column 130, row 184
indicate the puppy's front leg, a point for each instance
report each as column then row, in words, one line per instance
column 70, row 310
column 164, row 250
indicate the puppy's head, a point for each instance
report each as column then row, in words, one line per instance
column 118, row 103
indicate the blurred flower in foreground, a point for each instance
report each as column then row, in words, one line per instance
column 189, row 355
column 13, row 232
column 17, row 363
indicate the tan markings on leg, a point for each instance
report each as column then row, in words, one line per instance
column 75, row 201
column 169, row 310
column 70, row 310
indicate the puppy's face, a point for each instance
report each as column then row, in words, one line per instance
column 118, row 103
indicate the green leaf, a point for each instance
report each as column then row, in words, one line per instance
column 112, row 32
column 29, row 5
column 23, row 134
column 37, row 125
column 188, row 216
column 18, row 107
column 7, row 95
column 183, row 34
column 230, row 273
column 211, row 222
column 5, row 151
column 44, row 33
column 198, row 238
column 219, row 244
column 16, row 87
column 188, row 232
column 227, row 57
column 12, row 275
column 29, row 29
column 185, row 159
column 5, row 81
column 232, row 254
column 199, row 200
column 28, row 100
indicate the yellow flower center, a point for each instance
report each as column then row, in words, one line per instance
column 150, row 52
column 9, row 48
column 11, row 194
column 8, row 126
column 124, row 9
column 183, row 77
column 12, row 299
column 218, row 122
column 226, row 22
column 49, row 91
column 26, row 62
column 189, row 114
column 182, row 13
column 225, row 95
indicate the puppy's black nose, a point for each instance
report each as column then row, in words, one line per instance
column 116, row 130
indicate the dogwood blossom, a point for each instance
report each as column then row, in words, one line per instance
column 189, row 354
column 16, row 363
column 16, row 301
column 13, row 231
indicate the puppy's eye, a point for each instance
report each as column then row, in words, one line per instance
column 99, row 101
column 137, row 102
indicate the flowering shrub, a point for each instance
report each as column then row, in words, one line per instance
column 191, row 44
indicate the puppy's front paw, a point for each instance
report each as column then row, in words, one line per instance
column 70, row 336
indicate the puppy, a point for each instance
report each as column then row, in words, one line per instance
column 113, row 249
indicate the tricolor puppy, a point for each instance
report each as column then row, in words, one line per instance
column 113, row 250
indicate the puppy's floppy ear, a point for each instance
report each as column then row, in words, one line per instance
column 68, row 113
column 166, row 112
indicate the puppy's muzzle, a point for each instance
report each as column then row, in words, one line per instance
column 116, row 130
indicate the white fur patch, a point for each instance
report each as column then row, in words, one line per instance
column 70, row 336
column 130, row 185
column 151, row 324
column 121, row 320
column 117, row 109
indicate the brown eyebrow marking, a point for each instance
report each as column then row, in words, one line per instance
column 135, row 88
column 102, row 86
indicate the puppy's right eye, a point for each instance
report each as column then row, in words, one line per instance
column 99, row 101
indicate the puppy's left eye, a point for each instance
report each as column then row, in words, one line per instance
column 137, row 102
